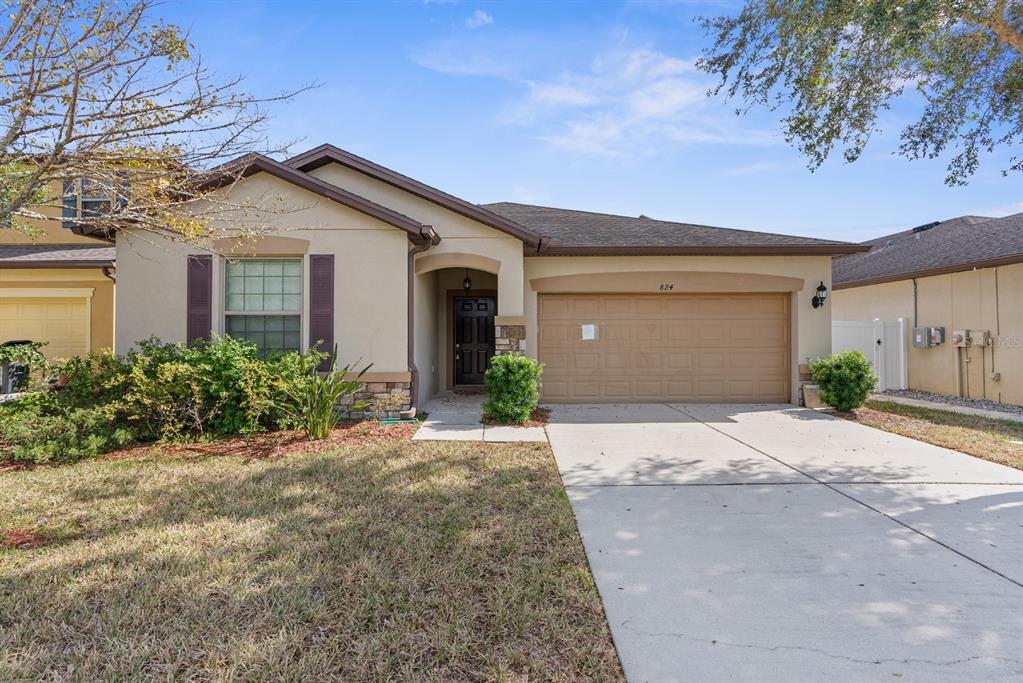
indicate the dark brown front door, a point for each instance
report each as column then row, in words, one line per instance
column 474, row 338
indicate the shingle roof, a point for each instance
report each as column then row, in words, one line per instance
column 956, row 244
column 50, row 255
column 589, row 232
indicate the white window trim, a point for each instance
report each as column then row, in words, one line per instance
column 220, row 285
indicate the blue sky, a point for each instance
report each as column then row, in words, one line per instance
column 592, row 106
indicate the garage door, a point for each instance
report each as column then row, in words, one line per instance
column 63, row 323
column 729, row 348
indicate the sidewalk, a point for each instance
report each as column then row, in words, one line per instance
column 456, row 417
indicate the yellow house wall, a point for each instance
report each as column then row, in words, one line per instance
column 102, row 322
column 987, row 299
column 45, row 231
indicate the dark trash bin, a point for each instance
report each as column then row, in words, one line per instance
column 13, row 375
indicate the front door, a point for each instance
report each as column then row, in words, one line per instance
column 474, row 338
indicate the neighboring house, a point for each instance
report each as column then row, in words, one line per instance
column 57, row 286
column 961, row 274
column 428, row 287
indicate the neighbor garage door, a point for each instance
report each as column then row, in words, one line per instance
column 671, row 347
column 61, row 322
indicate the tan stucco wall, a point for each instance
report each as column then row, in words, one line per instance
column 988, row 299
column 102, row 321
column 811, row 329
column 458, row 233
column 370, row 314
column 427, row 325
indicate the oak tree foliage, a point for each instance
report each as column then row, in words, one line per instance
column 834, row 67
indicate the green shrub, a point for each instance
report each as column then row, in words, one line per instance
column 38, row 429
column 168, row 392
column 315, row 401
column 214, row 388
column 845, row 379
column 513, row 388
column 95, row 379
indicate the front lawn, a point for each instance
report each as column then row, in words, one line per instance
column 379, row 560
column 999, row 441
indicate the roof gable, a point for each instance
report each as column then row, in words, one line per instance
column 257, row 163
column 325, row 154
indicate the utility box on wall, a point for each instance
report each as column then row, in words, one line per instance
column 960, row 338
column 921, row 337
column 937, row 336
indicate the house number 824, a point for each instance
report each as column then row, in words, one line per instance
column 667, row 287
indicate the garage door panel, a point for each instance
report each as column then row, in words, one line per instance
column 60, row 322
column 671, row 347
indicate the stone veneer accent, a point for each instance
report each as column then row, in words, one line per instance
column 509, row 339
column 374, row 390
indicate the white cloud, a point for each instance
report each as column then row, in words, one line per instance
column 479, row 19
column 626, row 102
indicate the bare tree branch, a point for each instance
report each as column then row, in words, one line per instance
column 101, row 91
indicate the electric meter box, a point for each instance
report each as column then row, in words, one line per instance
column 921, row 337
column 960, row 338
column 937, row 336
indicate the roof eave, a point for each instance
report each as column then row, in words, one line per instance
column 930, row 272
column 325, row 154
column 50, row 264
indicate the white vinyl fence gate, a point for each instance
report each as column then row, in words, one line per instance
column 883, row 342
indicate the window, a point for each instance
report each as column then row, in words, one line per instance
column 88, row 199
column 263, row 303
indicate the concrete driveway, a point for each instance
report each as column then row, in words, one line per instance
column 772, row 543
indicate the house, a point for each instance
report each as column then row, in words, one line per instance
column 428, row 287
column 963, row 275
column 57, row 286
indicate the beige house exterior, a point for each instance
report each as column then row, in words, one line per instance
column 428, row 287
column 56, row 287
column 949, row 286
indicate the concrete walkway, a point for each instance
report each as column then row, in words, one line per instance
column 456, row 417
column 949, row 407
column 772, row 543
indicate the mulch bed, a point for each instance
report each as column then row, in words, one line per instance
column 539, row 418
column 258, row 446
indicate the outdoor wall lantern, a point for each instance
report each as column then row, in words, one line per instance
column 822, row 294
column 467, row 282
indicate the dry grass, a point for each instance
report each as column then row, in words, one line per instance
column 382, row 560
column 979, row 436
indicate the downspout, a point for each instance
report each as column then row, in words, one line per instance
column 915, row 321
column 109, row 272
column 430, row 238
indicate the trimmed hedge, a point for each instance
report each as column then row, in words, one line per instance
column 846, row 380
column 513, row 388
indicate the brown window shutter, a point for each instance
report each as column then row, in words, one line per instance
column 199, row 320
column 321, row 304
